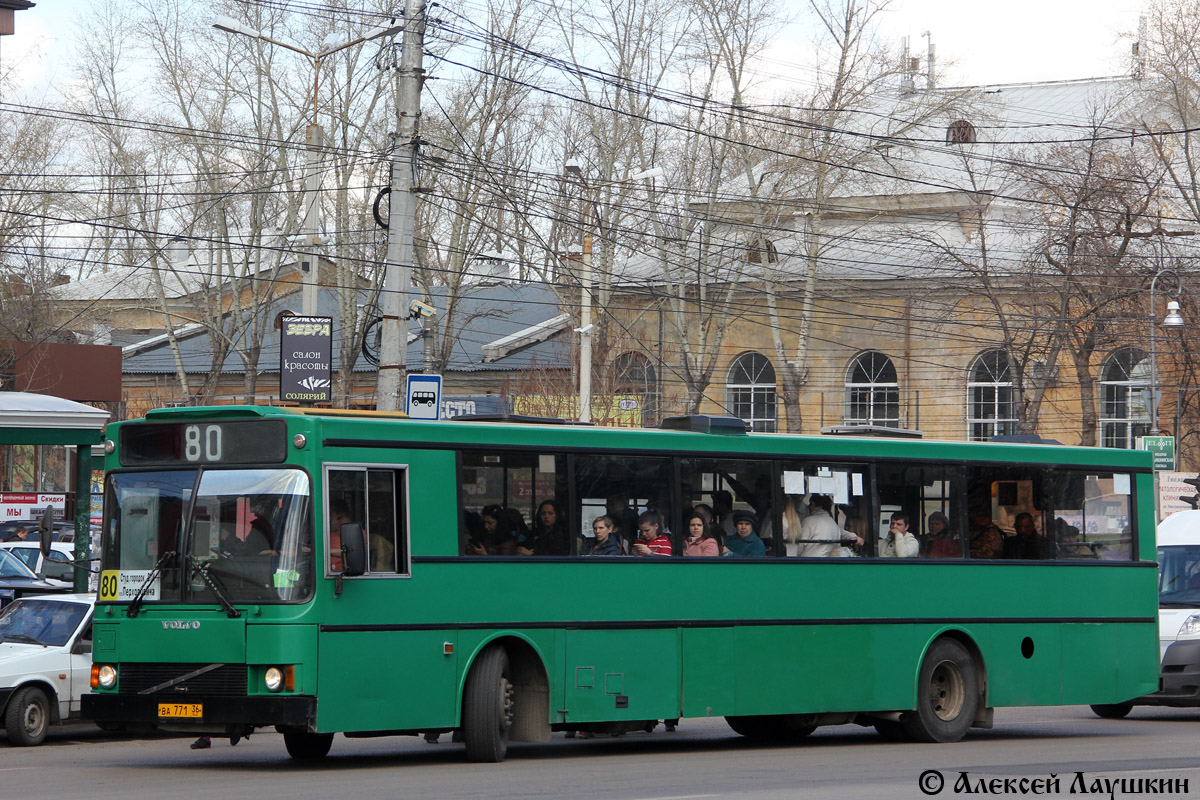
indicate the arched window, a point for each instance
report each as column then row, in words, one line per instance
column 990, row 409
column 750, row 391
column 960, row 132
column 633, row 374
column 872, row 392
column 1124, row 398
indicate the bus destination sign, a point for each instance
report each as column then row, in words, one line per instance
column 254, row 441
column 306, row 359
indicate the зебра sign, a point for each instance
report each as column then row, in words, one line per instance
column 306, row 359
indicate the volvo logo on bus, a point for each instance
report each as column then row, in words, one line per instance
column 181, row 624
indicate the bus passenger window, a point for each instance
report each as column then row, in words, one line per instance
column 825, row 509
column 512, row 504
column 373, row 498
column 1092, row 515
column 721, row 489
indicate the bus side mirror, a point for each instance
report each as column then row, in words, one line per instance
column 45, row 528
column 354, row 550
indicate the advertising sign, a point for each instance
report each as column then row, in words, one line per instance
column 29, row 505
column 306, row 359
column 1163, row 448
column 423, row 396
column 1171, row 487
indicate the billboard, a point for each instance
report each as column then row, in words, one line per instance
column 306, row 359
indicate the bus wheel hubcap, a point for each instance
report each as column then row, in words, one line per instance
column 946, row 693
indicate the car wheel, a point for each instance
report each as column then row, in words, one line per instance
column 28, row 717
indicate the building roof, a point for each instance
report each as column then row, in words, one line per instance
column 486, row 313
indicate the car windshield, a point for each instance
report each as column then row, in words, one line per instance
column 246, row 534
column 28, row 555
column 1179, row 575
column 11, row 567
column 39, row 621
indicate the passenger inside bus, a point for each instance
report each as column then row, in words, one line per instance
column 702, row 539
column 745, row 541
column 1026, row 542
column 498, row 539
column 900, row 542
column 548, row 536
column 651, row 539
column 604, row 542
column 941, row 540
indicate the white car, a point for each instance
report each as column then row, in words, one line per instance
column 57, row 569
column 45, row 662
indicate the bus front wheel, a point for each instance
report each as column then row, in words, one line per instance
column 304, row 746
column 488, row 707
column 947, row 694
column 1112, row 710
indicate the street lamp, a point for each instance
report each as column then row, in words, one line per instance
column 313, row 138
column 573, row 171
column 1172, row 320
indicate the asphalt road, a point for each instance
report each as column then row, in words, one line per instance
column 703, row 759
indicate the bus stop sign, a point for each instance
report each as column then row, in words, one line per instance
column 423, row 396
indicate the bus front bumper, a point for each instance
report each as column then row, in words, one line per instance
column 258, row 711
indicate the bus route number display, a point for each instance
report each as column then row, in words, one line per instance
column 242, row 442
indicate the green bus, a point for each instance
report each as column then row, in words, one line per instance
column 320, row 572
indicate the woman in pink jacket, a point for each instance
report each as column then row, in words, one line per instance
column 701, row 540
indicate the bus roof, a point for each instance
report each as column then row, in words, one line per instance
column 341, row 427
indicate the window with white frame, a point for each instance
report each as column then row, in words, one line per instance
column 872, row 391
column 750, row 391
column 633, row 374
column 1124, row 398
column 990, row 410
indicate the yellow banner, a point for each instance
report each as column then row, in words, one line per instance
column 613, row 411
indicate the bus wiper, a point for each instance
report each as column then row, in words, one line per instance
column 212, row 582
column 135, row 605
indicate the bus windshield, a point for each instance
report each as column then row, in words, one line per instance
column 1179, row 575
column 245, row 534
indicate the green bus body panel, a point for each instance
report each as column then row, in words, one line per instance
column 622, row 675
column 152, row 636
column 628, row 639
column 283, row 644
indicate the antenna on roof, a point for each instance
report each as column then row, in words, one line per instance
column 1138, row 54
column 930, row 61
column 906, row 79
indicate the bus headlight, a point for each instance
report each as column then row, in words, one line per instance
column 1190, row 626
column 104, row 676
column 273, row 679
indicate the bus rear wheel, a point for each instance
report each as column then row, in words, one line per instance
column 1112, row 710
column 947, row 694
column 305, row 746
column 28, row 717
column 773, row 727
column 488, row 707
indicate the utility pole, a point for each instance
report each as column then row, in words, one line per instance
column 402, row 215
column 309, row 236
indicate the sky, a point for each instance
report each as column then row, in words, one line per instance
column 988, row 42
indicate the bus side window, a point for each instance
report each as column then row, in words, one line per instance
column 372, row 497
